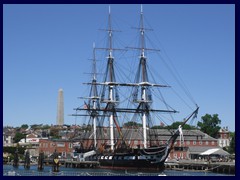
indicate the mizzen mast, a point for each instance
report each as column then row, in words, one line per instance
column 93, row 104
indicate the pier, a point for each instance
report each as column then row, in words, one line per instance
column 216, row 167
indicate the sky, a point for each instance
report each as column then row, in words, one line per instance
column 48, row 47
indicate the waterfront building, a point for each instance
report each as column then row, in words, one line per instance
column 63, row 147
column 190, row 146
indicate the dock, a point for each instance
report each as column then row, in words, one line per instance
column 189, row 165
column 181, row 165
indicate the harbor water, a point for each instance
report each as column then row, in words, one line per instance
column 9, row 170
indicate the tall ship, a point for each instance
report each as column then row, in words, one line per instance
column 120, row 132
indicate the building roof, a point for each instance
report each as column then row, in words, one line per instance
column 198, row 149
column 217, row 151
column 157, row 134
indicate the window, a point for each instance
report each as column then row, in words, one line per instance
column 70, row 145
column 200, row 142
column 213, row 143
column 60, row 144
column 194, row 142
column 206, row 142
column 188, row 142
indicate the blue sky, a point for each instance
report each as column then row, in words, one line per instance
column 47, row 47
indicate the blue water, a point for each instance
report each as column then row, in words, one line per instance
column 9, row 170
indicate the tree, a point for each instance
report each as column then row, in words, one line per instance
column 54, row 132
column 209, row 125
column 36, row 126
column 12, row 150
column 45, row 127
column 231, row 148
column 176, row 124
column 132, row 124
column 24, row 126
column 18, row 136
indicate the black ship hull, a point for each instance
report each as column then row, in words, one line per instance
column 132, row 164
column 138, row 159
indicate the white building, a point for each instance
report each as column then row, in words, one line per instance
column 224, row 137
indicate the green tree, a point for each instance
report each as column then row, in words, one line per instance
column 46, row 126
column 176, row 124
column 54, row 132
column 131, row 124
column 231, row 148
column 18, row 136
column 12, row 150
column 36, row 126
column 209, row 125
column 24, row 126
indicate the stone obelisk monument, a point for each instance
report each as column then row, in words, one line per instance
column 60, row 108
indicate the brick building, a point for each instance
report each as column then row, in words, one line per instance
column 63, row 147
column 195, row 141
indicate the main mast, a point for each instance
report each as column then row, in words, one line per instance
column 144, row 79
column 145, row 99
column 111, row 78
column 113, row 97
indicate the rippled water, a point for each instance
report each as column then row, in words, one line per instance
column 9, row 170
